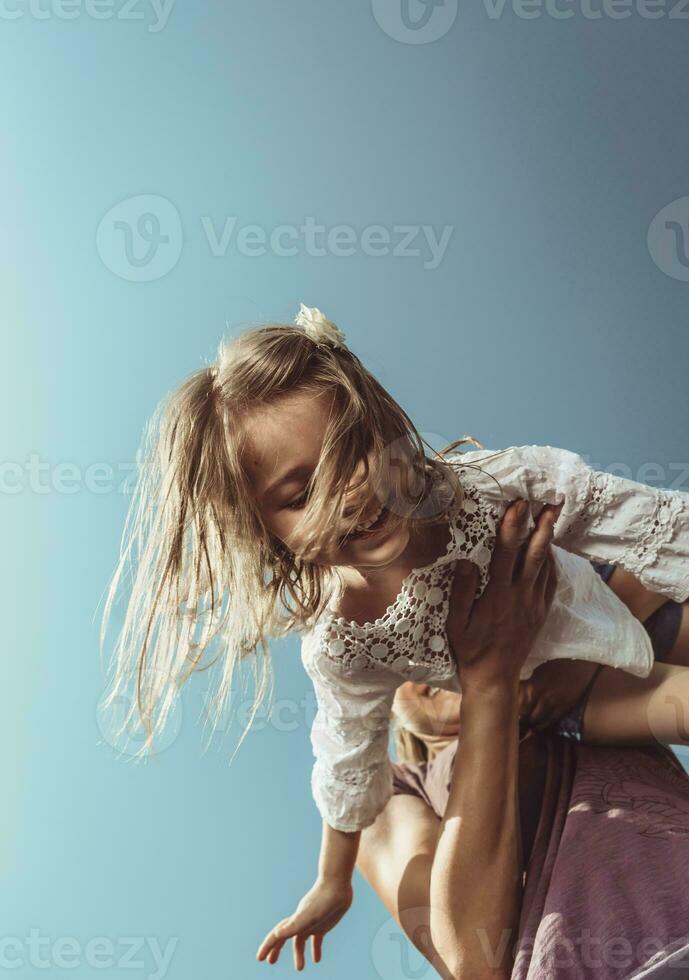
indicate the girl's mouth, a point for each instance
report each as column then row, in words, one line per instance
column 369, row 531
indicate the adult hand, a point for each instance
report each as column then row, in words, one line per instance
column 490, row 637
column 553, row 689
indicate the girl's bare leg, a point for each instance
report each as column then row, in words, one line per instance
column 643, row 603
column 625, row 709
column 680, row 651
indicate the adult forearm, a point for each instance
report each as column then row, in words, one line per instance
column 476, row 876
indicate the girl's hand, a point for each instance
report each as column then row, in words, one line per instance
column 491, row 637
column 319, row 910
column 553, row 689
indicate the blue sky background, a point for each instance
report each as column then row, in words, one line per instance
column 550, row 150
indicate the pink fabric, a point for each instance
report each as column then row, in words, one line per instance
column 607, row 880
column 607, row 887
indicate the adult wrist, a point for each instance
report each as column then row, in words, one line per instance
column 495, row 686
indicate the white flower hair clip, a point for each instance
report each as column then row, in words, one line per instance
column 318, row 327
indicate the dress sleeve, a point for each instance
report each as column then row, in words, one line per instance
column 351, row 778
column 605, row 518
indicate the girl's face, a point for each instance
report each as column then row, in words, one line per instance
column 283, row 446
column 432, row 710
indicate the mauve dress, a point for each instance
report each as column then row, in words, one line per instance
column 605, row 835
column 605, row 838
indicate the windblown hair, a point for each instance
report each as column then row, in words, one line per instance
column 205, row 569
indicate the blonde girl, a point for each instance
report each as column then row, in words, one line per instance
column 283, row 489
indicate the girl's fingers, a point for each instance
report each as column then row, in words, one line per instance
column 274, row 954
column 273, row 939
column 298, row 950
column 291, row 928
column 270, row 951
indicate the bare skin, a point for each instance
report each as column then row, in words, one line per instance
column 373, row 569
column 279, row 470
column 490, row 639
column 479, row 838
column 555, row 687
column 396, row 852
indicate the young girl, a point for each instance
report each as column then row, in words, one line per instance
column 283, row 489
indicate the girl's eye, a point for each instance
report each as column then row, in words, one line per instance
column 297, row 504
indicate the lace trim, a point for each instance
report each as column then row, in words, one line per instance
column 357, row 779
column 410, row 637
column 351, row 800
column 655, row 530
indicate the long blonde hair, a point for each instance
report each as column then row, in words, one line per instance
column 205, row 568
column 408, row 746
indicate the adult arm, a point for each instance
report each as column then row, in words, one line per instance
column 476, row 876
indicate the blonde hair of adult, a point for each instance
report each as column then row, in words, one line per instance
column 206, row 574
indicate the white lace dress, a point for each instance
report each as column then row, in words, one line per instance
column 356, row 669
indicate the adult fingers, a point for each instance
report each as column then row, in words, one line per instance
column 550, row 581
column 542, row 715
column 461, row 602
column 508, row 542
column 526, row 696
column 316, row 946
column 538, row 547
column 540, row 585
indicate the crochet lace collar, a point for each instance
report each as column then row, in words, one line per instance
column 407, row 584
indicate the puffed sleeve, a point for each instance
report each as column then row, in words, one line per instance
column 605, row 517
column 351, row 778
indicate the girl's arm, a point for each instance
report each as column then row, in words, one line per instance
column 351, row 783
column 323, row 906
column 605, row 517
column 476, row 876
column 338, row 853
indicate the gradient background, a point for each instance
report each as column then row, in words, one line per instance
column 547, row 145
